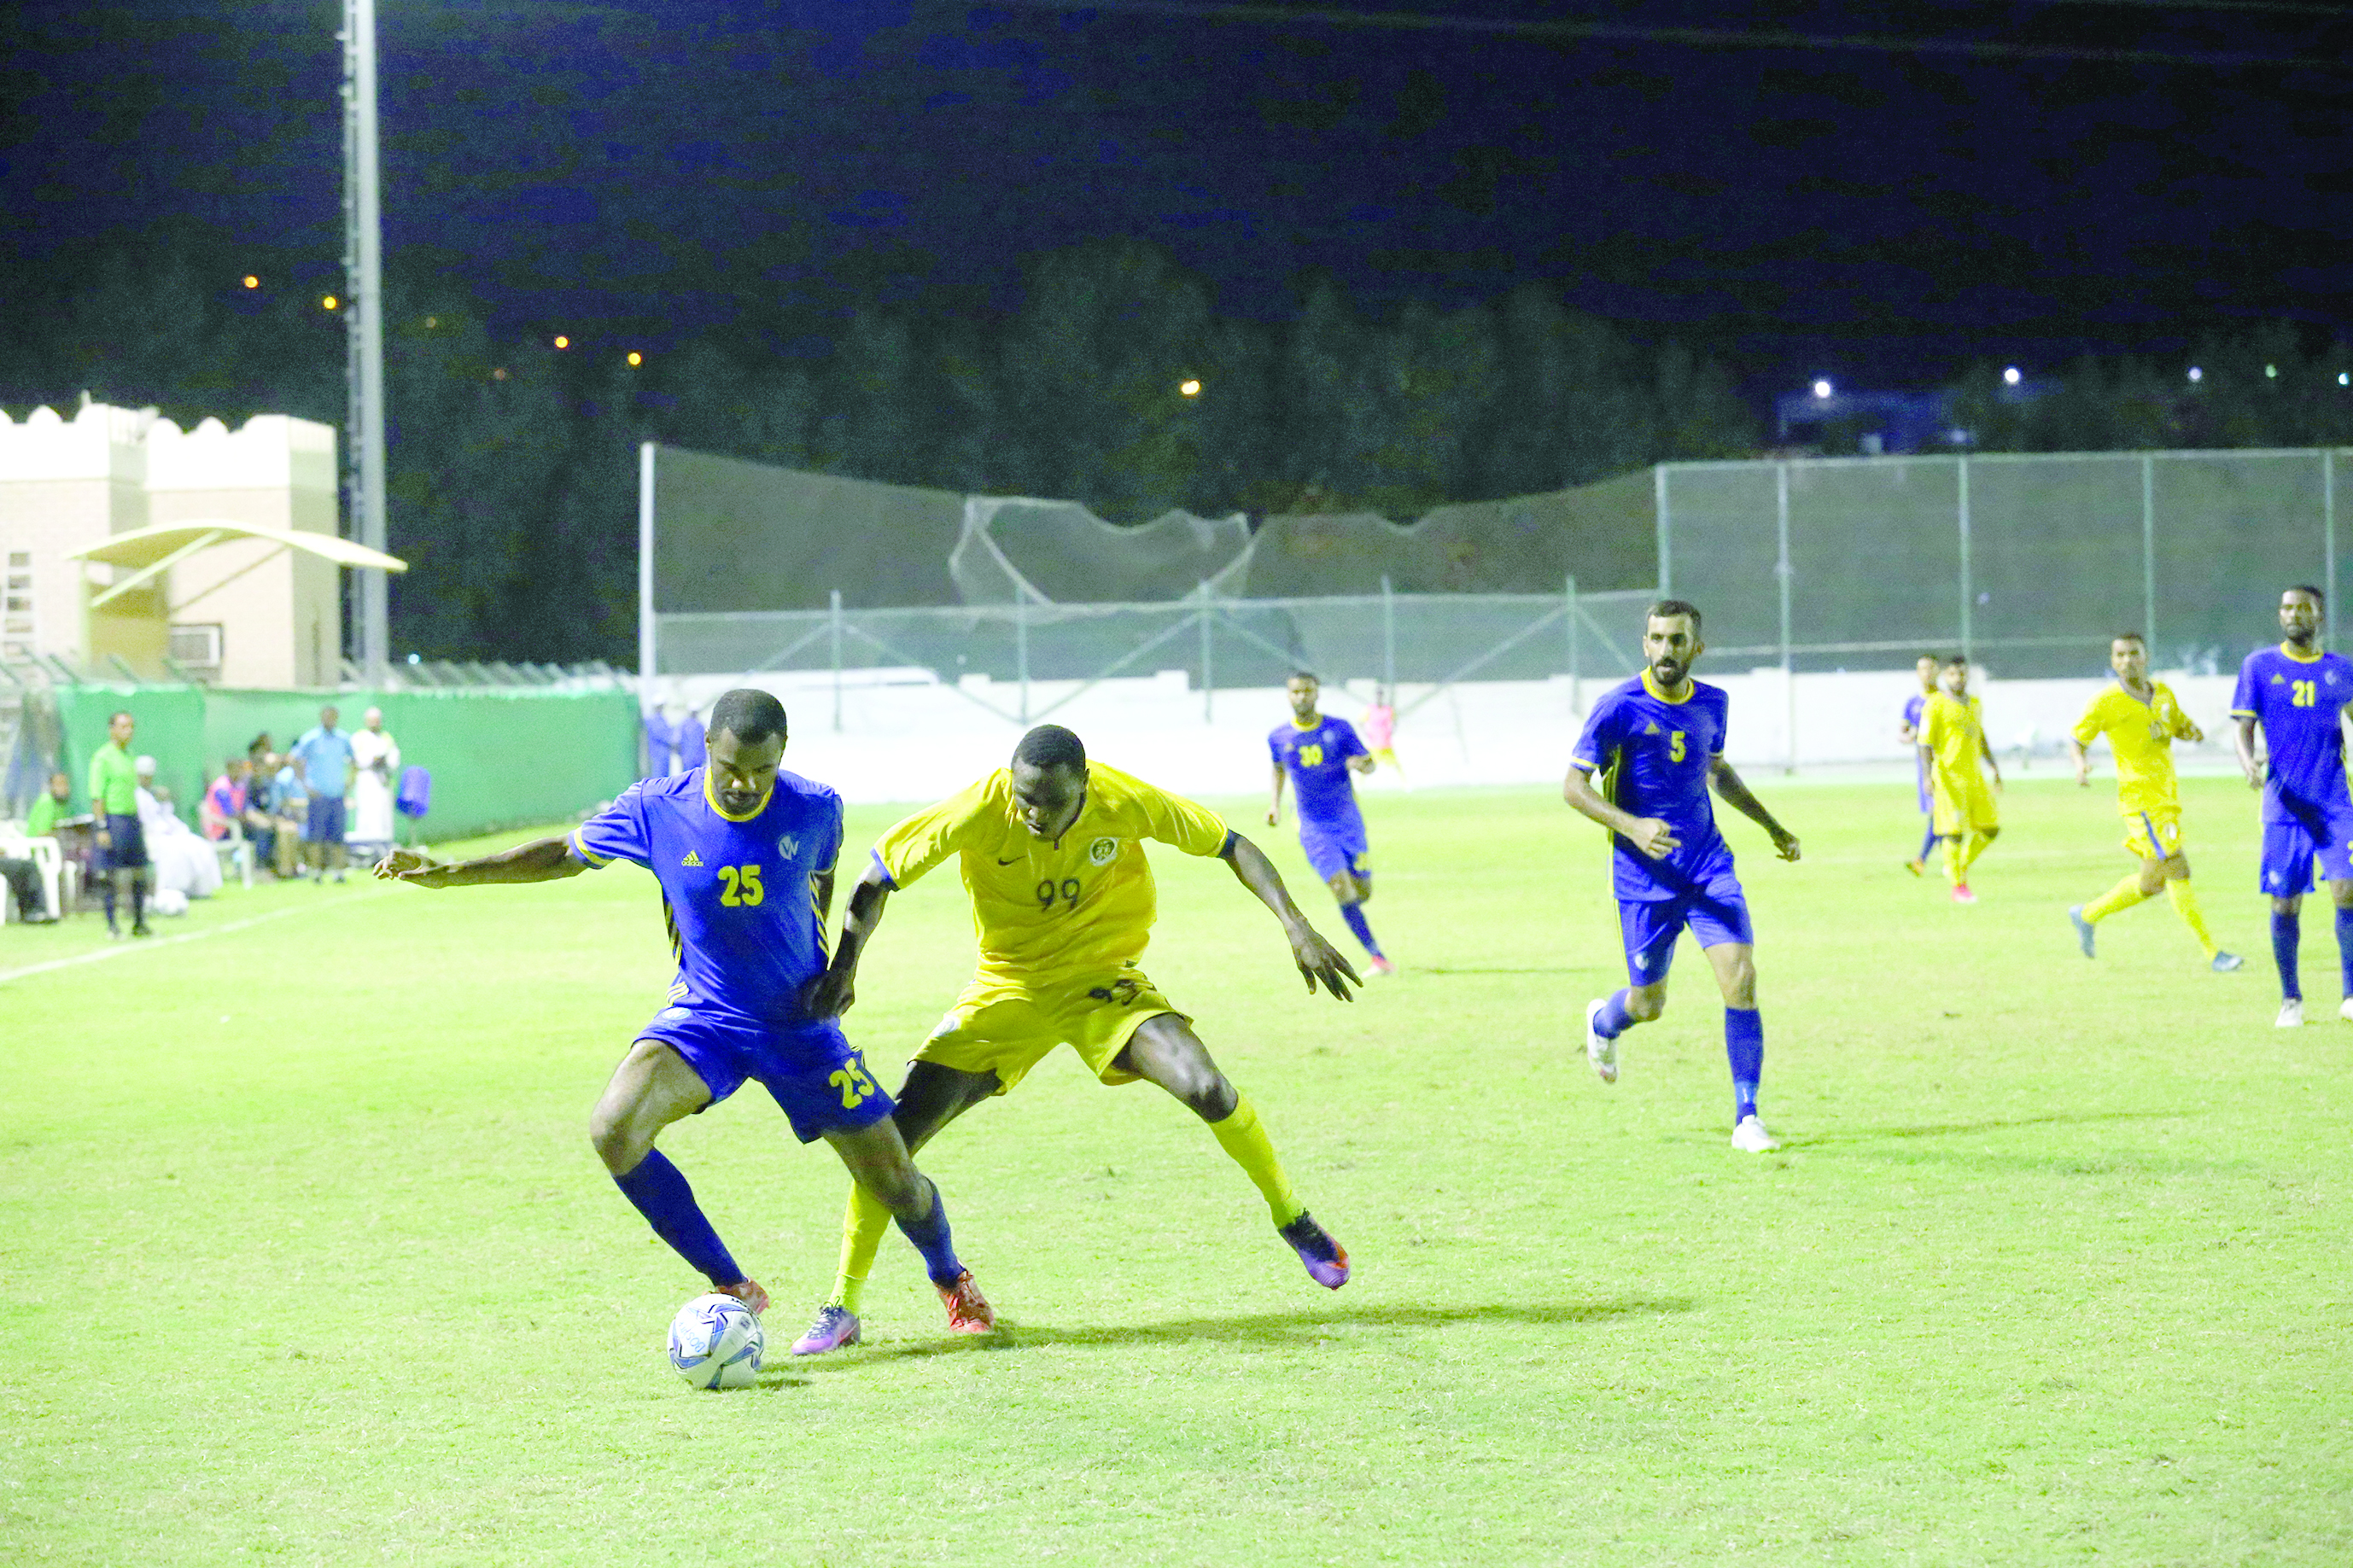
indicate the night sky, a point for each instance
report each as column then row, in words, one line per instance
column 654, row 171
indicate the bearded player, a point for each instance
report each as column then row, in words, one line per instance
column 744, row 854
column 1658, row 743
column 2296, row 694
column 1316, row 752
column 1051, row 850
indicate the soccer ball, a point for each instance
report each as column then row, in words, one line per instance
column 716, row 1343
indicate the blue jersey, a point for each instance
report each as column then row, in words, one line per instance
column 1317, row 760
column 1912, row 712
column 737, row 893
column 1655, row 754
column 2296, row 699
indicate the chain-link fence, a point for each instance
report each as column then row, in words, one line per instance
column 1424, row 642
column 2027, row 564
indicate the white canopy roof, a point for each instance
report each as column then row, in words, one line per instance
column 143, row 548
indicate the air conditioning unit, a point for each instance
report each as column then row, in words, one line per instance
column 198, row 649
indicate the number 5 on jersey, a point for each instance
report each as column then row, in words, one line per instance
column 1675, row 747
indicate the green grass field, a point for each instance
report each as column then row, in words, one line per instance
column 304, row 1257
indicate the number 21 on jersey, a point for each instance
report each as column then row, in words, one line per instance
column 2303, row 693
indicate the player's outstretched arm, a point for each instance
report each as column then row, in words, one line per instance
column 1735, row 793
column 2242, row 741
column 1318, row 960
column 542, row 860
column 832, row 992
column 2082, row 756
column 1274, row 802
column 1648, row 833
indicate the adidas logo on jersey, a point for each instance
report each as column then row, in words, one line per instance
column 692, row 858
column 1650, row 729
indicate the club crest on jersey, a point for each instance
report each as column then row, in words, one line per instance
column 1100, row 851
column 789, row 845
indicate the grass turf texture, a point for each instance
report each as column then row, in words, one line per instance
column 304, row 1258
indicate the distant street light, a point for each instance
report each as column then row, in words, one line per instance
column 330, row 302
column 2010, row 377
column 251, row 281
column 2197, row 375
column 1822, row 387
column 637, row 358
column 1189, row 388
column 562, row 341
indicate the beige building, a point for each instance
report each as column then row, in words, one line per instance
column 245, row 612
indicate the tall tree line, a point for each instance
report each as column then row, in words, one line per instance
column 513, row 462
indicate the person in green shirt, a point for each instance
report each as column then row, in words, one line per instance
column 47, row 811
column 114, row 813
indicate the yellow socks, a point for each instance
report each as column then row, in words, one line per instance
column 1977, row 842
column 1954, row 869
column 863, row 1223
column 1241, row 1137
column 2185, row 904
column 2123, row 896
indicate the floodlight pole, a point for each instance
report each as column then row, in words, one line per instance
column 364, row 289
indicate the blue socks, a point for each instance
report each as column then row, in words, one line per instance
column 661, row 1194
column 2345, row 948
column 1743, row 1045
column 1928, row 840
column 1355, row 915
column 929, row 1234
column 1613, row 1020
column 2286, row 930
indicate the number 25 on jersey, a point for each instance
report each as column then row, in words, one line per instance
column 742, row 890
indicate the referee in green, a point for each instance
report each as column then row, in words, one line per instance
column 114, row 813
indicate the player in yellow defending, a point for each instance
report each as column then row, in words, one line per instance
column 1952, row 731
column 1052, row 852
column 2142, row 719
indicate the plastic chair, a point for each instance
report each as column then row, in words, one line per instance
column 236, row 850
column 414, row 798
column 60, row 877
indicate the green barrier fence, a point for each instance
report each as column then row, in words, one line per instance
column 498, row 759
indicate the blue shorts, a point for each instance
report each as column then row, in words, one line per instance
column 324, row 823
column 1714, row 915
column 2291, row 848
column 810, row 1069
column 1335, row 847
column 128, row 851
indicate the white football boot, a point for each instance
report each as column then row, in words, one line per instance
column 1602, row 1054
column 2291, row 1015
column 1750, row 1137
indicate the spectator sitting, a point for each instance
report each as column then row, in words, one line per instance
column 288, row 801
column 184, row 863
column 50, row 809
column 229, row 802
column 23, row 879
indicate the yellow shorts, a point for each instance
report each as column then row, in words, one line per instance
column 1006, row 1028
column 2154, row 832
column 1969, row 810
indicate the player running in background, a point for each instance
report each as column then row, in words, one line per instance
column 1318, row 753
column 1952, row 731
column 2142, row 719
column 1925, row 668
column 1380, row 729
column 2298, row 694
column 744, row 854
column 1658, row 743
column 1051, row 854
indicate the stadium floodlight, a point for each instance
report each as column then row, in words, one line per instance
column 562, row 341
column 1822, row 387
column 2010, row 377
column 251, row 281
column 2196, row 373
column 364, row 465
column 2344, row 379
column 1189, row 388
column 637, row 358
column 331, row 302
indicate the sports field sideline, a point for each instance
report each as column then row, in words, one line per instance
column 304, row 1257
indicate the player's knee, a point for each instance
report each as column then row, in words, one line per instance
column 1643, row 1005
column 1208, row 1096
column 618, row 1140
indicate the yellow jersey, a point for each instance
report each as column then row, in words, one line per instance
column 1953, row 734
column 1045, row 909
column 2142, row 735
